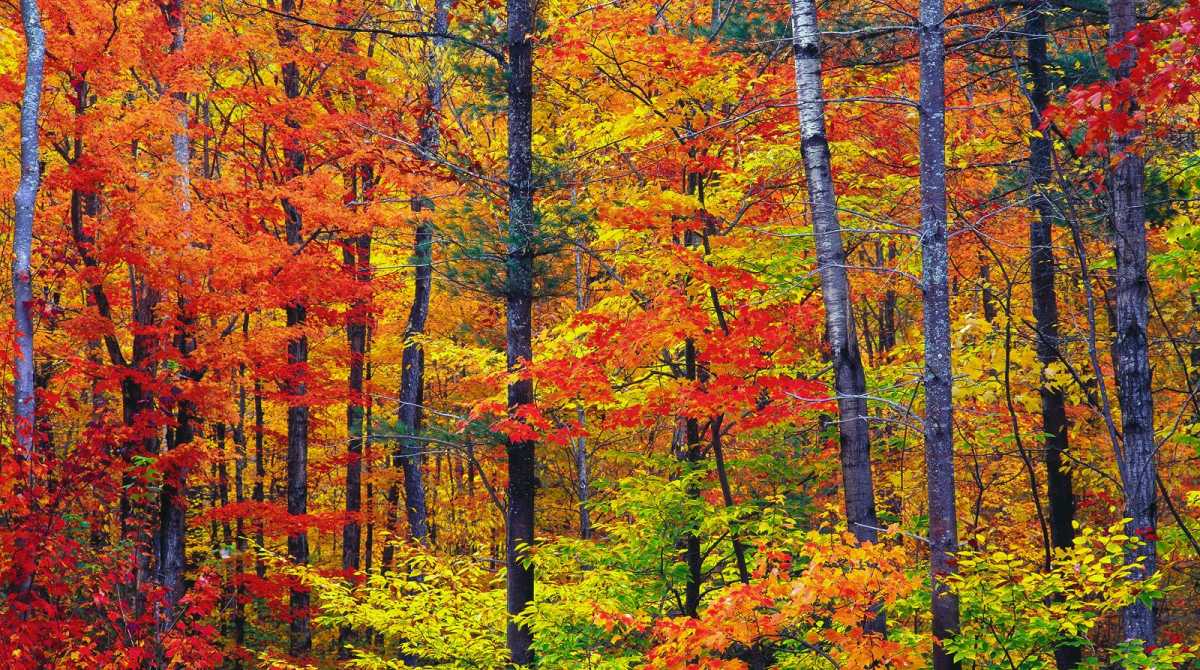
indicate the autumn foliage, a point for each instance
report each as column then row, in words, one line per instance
column 275, row 253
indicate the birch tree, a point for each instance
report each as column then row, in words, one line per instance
column 849, row 378
column 24, row 201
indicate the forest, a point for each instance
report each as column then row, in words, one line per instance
column 600, row 334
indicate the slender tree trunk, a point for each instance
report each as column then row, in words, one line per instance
column 369, row 460
column 582, row 469
column 1042, row 269
column 409, row 454
column 24, row 202
column 260, row 474
column 172, row 530
column 300, row 636
column 849, row 377
column 1131, row 349
column 522, row 479
column 221, row 432
column 939, row 444
column 689, row 453
column 987, row 297
column 409, row 457
column 357, row 259
column 239, row 495
column 887, row 306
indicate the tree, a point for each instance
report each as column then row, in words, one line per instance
column 172, row 526
column 1131, row 349
column 300, row 638
column 858, row 486
column 518, row 310
column 412, row 374
column 939, row 414
column 25, row 201
column 1042, row 270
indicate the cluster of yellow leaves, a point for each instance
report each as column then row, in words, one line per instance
column 449, row 612
column 1014, row 614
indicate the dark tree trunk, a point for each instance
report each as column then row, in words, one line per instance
column 409, row 456
column 1131, row 348
column 172, row 533
column 887, row 306
column 300, row 636
column 239, row 495
column 1042, row 269
column 522, row 479
column 849, row 377
column 356, row 256
column 987, row 297
column 260, row 474
column 368, row 460
column 221, row 432
column 689, row 453
column 939, row 444
column 24, row 202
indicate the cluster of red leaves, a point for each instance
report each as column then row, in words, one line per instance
column 1166, row 61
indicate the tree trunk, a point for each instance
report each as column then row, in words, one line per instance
column 849, row 377
column 172, row 530
column 260, row 475
column 24, row 202
column 239, row 495
column 689, row 453
column 939, row 445
column 300, row 636
column 369, row 459
column 410, row 454
column 887, row 306
column 1131, row 349
column 1042, row 269
column 582, row 470
column 522, row 480
column 356, row 256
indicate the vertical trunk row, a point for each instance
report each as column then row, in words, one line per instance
column 368, row 461
column 849, row 377
column 939, row 444
column 24, row 202
column 1131, row 349
column 300, row 636
column 522, row 480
